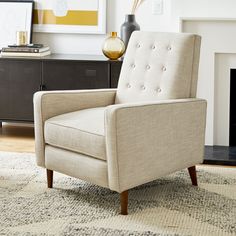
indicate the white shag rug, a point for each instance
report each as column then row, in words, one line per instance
column 168, row 206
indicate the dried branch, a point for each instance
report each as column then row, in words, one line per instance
column 136, row 5
column 140, row 2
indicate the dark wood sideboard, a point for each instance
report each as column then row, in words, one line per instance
column 20, row 78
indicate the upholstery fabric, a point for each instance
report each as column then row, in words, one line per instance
column 80, row 131
column 76, row 165
column 54, row 103
column 148, row 140
column 159, row 66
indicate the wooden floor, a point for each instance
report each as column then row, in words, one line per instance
column 16, row 138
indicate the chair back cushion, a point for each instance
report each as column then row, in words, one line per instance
column 159, row 66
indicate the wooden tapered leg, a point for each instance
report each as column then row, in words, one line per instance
column 0, row 124
column 124, row 202
column 193, row 175
column 50, row 178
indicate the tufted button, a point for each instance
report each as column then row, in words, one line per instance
column 148, row 67
column 143, row 87
column 153, row 47
column 169, row 48
column 164, row 68
column 138, row 45
column 133, row 66
column 128, row 86
column 158, row 90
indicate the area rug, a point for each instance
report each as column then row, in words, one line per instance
column 168, row 206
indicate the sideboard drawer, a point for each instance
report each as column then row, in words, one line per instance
column 19, row 80
column 60, row 75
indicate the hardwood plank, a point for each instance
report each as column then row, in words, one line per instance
column 16, row 138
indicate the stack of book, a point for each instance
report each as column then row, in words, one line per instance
column 30, row 50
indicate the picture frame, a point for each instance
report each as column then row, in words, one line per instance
column 15, row 15
column 70, row 16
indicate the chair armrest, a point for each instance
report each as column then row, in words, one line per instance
column 148, row 140
column 52, row 103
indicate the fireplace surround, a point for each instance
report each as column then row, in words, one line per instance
column 218, row 57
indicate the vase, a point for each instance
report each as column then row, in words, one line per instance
column 128, row 27
column 113, row 47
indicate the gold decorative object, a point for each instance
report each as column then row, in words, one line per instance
column 113, row 47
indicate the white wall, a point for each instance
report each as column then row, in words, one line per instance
column 169, row 21
column 116, row 10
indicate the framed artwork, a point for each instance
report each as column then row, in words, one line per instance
column 15, row 16
column 70, row 16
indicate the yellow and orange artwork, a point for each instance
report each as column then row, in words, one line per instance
column 70, row 13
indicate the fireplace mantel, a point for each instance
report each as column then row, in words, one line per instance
column 218, row 56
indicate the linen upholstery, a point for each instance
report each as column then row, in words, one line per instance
column 148, row 140
column 159, row 66
column 152, row 125
column 52, row 103
column 76, row 165
column 79, row 131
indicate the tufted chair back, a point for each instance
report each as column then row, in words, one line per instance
column 159, row 66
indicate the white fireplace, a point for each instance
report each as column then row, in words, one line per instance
column 218, row 56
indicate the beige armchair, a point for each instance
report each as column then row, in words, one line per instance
column 151, row 126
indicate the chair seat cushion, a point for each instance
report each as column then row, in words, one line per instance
column 81, row 131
